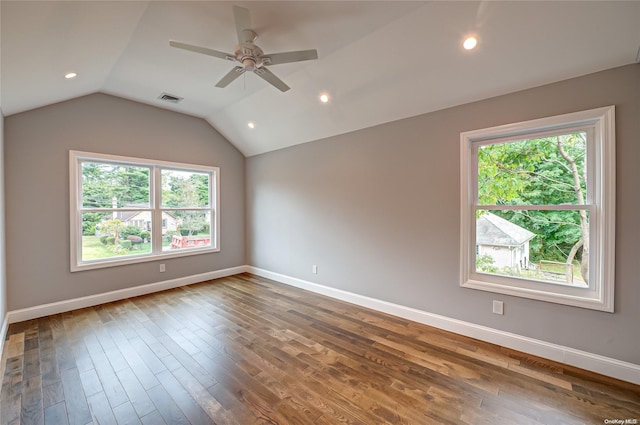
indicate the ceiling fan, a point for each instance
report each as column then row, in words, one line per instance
column 250, row 56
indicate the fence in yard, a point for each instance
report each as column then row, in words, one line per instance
column 178, row 241
column 555, row 270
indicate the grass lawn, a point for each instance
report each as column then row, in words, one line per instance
column 93, row 249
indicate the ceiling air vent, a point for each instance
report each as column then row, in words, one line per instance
column 170, row 98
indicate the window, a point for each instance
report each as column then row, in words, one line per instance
column 537, row 216
column 130, row 210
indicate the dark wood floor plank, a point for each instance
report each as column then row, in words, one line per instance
column 101, row 410
column 147, row 355
column 52, row 394
column 137, row 365
column 90, row 382
column 49, row 368
column 126, row 415
column 214, row 410
column 76, row 402
column 247, row 350
column 56, row 415
column 136, row 393
column 31, row 399
column 183, row 399
column 108, row 379
column 153, row 418
column 167, row 408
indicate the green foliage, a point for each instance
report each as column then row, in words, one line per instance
column 130, row 230
column 119, row 250
column 186, row 190
column 112, row 227
column 169, row 235
column 110, row 240
column 530, row 171
column 145, row 235
column 484, row 263
column 89, row 222
column 102, row 182
column 88, row 228
column 103, row 239
column 125, row 243
column 534, row 172
column 93, row 249
column 129, row 186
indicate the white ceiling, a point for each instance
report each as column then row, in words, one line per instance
column 379, row 61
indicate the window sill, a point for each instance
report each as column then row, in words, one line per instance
column 572, row 296
column 88, row 265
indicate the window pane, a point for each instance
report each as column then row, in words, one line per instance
column 186, row 229
column 114, row 186
column 534, row 244
column 106, row 235
column 184, row 189
column 541, row 171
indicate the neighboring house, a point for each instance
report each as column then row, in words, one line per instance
column 142, row 219
column 505, row 242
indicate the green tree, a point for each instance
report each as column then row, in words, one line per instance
column 102, row 182
column 186, row 190
column 112, row 228
column 544, row 171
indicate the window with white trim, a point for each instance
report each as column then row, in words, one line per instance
column 130, row 210
column 538, row 209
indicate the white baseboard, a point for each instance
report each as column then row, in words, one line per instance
column 105, row 297
column 593, row 362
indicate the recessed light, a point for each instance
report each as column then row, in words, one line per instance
column 70, row 75
column 251, row 124
column 324, row 98
column 470, row 43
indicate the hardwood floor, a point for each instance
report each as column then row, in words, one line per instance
column 246, row 350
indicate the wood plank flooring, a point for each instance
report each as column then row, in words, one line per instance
column 247, row 350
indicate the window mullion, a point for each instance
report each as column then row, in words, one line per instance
column 156, row 212
column 559, row 207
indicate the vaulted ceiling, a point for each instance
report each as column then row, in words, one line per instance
column 378, row 61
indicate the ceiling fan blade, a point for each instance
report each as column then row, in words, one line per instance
column 270, row 78
column 288, row 57
column 243, row 25
column 203, row 50
column 231, row 75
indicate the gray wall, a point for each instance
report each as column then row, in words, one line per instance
column 37, row 145
column 378, row 211
column 3, row 281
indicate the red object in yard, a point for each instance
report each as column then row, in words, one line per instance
column 179, row 242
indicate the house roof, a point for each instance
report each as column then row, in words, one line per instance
column 380, row 61
column 129, row 215
column 494, row 230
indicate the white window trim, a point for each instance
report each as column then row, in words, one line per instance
column 75, row 211
column 600, row 294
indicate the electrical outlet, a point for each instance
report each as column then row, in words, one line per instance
column 498, row 307
column 314, row 269
column 162, row 268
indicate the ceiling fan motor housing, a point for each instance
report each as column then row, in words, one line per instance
column 249, row 55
